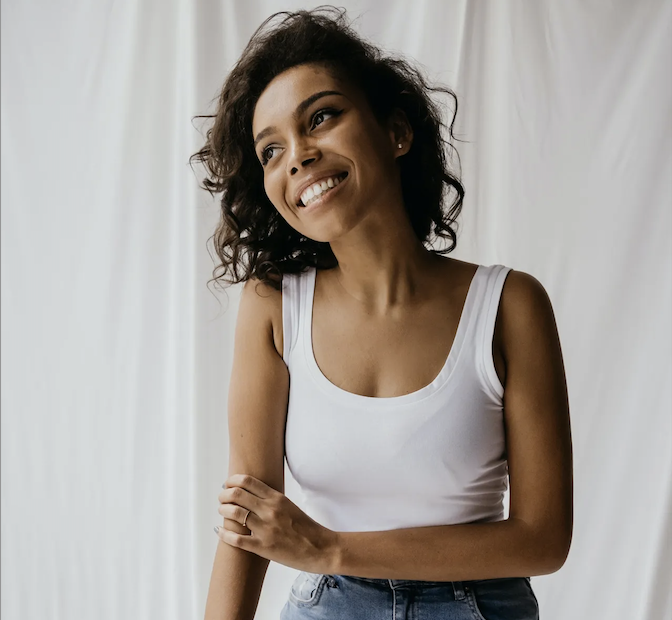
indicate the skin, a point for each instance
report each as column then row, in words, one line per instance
column 386, row 279
column 381, row 261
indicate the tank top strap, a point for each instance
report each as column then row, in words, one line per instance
column 295, row 288
column 290, row 314
column 490, row 292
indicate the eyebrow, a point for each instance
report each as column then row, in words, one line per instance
column 300, row 109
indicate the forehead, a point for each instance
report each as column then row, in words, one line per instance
column 284, row 93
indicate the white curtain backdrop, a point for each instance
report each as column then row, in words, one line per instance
column 116, row 356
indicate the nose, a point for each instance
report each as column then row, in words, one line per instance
column 303, row 154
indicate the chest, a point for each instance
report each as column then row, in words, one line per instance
column 392, row 355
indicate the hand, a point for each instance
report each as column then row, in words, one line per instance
column 280, row 530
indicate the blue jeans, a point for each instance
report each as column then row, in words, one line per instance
column 341, row 597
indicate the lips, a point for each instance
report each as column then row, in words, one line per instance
column 316, row 178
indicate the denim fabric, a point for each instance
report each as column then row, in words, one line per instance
column 340, row 597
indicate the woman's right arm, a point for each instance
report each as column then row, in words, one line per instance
column 257, row 411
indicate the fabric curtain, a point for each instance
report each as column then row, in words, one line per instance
column 116, row 354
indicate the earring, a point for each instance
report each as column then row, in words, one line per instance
column 401, row 146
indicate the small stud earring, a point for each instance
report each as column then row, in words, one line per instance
column 401, row 146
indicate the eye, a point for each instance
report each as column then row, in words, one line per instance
column 320, row 114
column 267, row 154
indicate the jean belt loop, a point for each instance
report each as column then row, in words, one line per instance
column 458, row 589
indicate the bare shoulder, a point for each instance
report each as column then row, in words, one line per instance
column 524, row 305
column 458, row 272
column 268, row 301
column 536, row 413
column 520, row 285
column 457, row 265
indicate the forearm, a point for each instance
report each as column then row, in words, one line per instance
column 236, row 581
column 445, row 553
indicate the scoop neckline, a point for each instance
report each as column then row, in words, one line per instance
column 373, row 402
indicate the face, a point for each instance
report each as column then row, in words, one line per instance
column 328, row 163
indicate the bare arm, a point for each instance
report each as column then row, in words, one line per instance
column 257, row 410
column 536, row 538
column 235, row 583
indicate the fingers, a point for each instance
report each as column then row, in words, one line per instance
column 240, row 497
column 236, row 513
column 235, row 540
column 234, row 526
column 251, row 484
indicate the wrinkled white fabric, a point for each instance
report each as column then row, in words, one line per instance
column 116, row 357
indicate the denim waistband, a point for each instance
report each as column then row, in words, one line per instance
column 457, row 586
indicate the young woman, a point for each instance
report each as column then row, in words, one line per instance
column 421, row 385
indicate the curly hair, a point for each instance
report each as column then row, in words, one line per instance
column 252, row 238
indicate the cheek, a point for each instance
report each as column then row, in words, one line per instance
column 273, row 190
column 366, row 145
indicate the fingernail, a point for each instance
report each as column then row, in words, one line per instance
column 216, row 528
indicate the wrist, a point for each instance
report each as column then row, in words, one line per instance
column 334, row 553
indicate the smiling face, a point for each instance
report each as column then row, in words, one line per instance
column 328, row 163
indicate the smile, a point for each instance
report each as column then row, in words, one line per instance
column 317, row 191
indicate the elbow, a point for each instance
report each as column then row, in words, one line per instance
column 563, row 553
column 548, row 547
column 552, row 554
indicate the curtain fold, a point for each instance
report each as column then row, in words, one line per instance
column 116, row 355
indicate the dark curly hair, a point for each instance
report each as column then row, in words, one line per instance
column 252, row 238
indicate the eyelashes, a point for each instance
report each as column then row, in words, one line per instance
column 267, row 152
column 320, row 113
column 264, row 156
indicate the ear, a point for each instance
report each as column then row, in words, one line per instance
column 400, row 132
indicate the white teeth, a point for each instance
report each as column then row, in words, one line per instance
column 318, row 188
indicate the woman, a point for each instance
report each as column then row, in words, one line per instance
column 420, row 385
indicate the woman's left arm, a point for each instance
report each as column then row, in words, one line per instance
column 536, row 537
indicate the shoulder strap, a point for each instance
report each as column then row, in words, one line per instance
column 295, row 287
column 494, row 284
column 290, row 313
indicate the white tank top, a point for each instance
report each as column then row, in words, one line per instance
column 436, row 456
